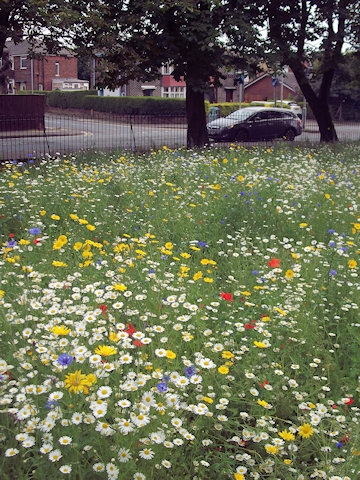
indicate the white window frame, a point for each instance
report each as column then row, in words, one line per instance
column 167, row 69
column 57, row 69
column 23, row 63
column 173, row 92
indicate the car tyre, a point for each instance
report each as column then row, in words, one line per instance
column 242, row 135
column 289, row 135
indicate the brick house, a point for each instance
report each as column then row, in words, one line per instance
column 42, row 71
column 256, row 89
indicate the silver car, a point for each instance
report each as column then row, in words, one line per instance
column 255, row 123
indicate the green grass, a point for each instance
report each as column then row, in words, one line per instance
column 208, row 301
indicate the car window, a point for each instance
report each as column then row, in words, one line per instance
column 240, row 114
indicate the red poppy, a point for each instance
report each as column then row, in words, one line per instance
column 262, row 384
column 274, row 263
column 103, row 308
column 138, row 343
column 349, row 401
column 130, row 330
column 249, row 326
column 227, row 296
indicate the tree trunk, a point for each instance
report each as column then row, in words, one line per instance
column 319, row 104
column 197, row 135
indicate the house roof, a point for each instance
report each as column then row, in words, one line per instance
column 24, row 48
column 289, row 81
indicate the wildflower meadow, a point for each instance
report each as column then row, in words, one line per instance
column 181, row 314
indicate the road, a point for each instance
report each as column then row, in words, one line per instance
column 68, row 134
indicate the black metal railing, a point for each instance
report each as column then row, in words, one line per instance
column 64, row 133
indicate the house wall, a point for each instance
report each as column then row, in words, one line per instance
column 39, row 73
column 263, row 90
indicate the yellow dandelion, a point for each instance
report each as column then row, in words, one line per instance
column 170, row 354
column 289, row 274
column 223, row 369
column 226, row 354
column 78, row 382
column 120, row 287
column 105, row 350
column 352, row 263
column 260, row 344
column 60, row 330
column 273, row 449
column 55, row 217
column 306, row 430
column 239, row 476
column 286, row 435
column 57, row 263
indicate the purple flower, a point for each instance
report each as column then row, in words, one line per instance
column 333, row 272
column 65, row 359
column 34, row 231
column 331, row 231
column 11, row 243
column 162, row 387
column 202, row 244
column 50, row 404
column 190, row 371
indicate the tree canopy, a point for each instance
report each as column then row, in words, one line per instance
column 300, row 30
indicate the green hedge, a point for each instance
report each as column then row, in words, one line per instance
column 89, row 100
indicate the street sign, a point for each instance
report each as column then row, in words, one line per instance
column 274, row 82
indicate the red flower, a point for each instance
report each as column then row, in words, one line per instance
column 227, row 296
column 138, row 343
column 349, row 401
column 103, row 308
column 249, row 326
column 130, row 330
column 274, row 263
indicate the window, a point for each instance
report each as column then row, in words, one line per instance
column 11, row 60
column 167, row 69
column 23, row 61
column 57, row 69
column 41, row 87
column 174, row 92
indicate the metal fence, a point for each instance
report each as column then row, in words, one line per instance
column 76, row 132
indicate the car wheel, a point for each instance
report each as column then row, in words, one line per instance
column 289, row 135
column 242, row 136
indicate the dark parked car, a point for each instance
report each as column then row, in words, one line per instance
column 255, row 123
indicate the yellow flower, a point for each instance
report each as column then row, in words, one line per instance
column 113, row 336
column 224, row 370
column 227, row 354
column 121, row 287
column 286, row 435
column 79, row 382
column 55, row 217
column 43, row 212
column 73, row 216
column 197, row 275
column 77, row 246
column 239, row 476
column 260, row 344
column 60, row 330
column 240, row 178
column 208, row 400
column 57, row 263
column 169, row 246
column 263, row 403
column 306, row 430
column 303, row 225
column 289, row 274
column 352, row 263
column 208, row 280
column 105, row 350
column 271, row 449
column 91, row 227
column 2, row 293
column 170, row 354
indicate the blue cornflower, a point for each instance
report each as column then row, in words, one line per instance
column 34, row 231
column 333, row 272
column 50, row 404
column 255, row 272
column 11, row 243
column 162, row 387
column 331, row 231
column 202, row 244
column 332, row 244
column 190, row 371
column 65, row 359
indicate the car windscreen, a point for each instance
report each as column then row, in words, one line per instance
column 240, row 114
